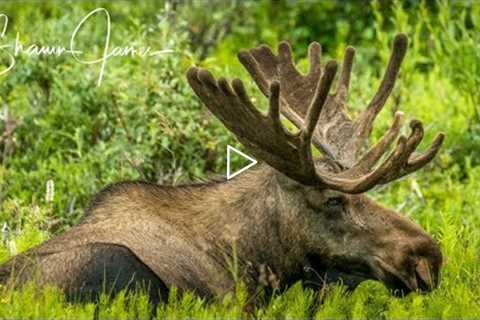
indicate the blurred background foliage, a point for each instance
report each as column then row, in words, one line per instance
column 144, row 122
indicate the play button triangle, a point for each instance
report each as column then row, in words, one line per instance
column 251, row 160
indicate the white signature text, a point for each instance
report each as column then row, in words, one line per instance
column 107, row 51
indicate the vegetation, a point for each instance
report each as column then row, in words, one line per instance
column 58, row 128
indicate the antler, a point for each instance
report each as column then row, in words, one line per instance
column 322, row 119
column 288, row 153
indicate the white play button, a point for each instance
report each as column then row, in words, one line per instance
column 229, row 169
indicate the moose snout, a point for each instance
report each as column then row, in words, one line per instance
column 428, row 263
column 426, row 279
column 413, row 265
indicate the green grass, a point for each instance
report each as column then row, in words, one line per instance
column 144, row 123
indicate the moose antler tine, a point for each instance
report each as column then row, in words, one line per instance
column 207, row 78
column 416, row 135
column 399, row 50
column 274, row 103
column 378, row 150
column 313, row 114
column 191, row 72
column 192, row 76
column 251, row 65
column 395, row 156
column 421, row 160
column 413, row 140
column 285, row 52
column 286, row 64
column 344, row 81
column 241, row 93
column 319, row 98
column 196, row 84
column 314, row 55
column 265, row 57
column 225, row 87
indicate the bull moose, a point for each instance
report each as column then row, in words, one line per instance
column 300, row 210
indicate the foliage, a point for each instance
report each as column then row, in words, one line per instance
column 144, row 123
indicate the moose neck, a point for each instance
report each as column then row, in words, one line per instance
column 244, row 215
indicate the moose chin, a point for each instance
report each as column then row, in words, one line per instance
column 299, row 215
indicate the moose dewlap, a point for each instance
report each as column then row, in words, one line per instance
column 292, row 217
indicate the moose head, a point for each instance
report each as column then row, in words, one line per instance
column 324, row 218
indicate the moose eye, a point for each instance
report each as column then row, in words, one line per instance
column 334, row 203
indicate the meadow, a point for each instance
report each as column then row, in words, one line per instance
column 63, row 137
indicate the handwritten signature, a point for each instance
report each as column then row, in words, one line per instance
column 107, row 52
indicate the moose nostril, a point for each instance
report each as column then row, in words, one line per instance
column 425, row 278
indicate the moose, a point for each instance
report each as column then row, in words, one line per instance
column 301, row 213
